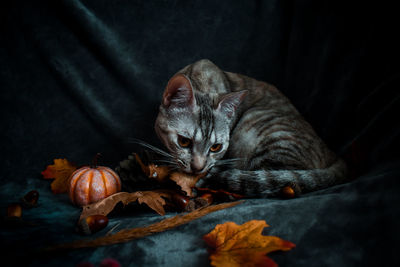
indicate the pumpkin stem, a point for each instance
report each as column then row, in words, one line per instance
column 95, row 159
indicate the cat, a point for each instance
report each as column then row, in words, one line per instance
column 244, row 135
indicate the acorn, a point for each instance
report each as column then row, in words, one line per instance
column 203, row 200
column 191, row 206
column 92, row 224
column 288, row 192
column 14, row 211
column 207, row 197
column 180, row 201
column 30, row 199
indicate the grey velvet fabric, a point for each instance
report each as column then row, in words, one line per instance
column 81, row 77
column 352, row 224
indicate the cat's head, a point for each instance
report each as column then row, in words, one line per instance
column 195, row 127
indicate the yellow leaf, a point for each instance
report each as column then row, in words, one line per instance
column 61, row 170
column 243, row 245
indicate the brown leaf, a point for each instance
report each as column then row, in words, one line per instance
column 185, row 181
column 243, row 245
column 160, row 173
column 61, row 170
column 153, row 199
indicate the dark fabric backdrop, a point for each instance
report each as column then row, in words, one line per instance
column 80, row 77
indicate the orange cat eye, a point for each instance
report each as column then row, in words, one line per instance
column 184, row 142
column 215, row 147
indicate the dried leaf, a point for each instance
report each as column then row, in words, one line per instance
column 153, row 199
column 185, row 181
column 243, row 245
column 160, row 173
column 61, row 170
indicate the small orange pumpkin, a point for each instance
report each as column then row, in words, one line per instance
column 90, row 184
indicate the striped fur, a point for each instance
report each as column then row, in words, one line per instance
column 266, row 144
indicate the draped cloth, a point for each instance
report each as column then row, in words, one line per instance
column 81, row 77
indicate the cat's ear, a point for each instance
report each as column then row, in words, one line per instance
column 230, row 102
column 179, row 92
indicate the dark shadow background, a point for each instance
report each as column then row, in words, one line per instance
column 80, row 77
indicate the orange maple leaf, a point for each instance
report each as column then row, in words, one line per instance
column 61, row 170
column 162, row 173
column 243, row 245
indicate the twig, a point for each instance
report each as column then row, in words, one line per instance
column 133, row 233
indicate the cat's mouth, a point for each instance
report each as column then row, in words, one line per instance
column 196, row 174
column 199, row 173
column 186, row 168
column 192, row 172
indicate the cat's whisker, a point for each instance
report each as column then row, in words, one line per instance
column 165, row 160
column 170, row 162
column 174, row 168
column 226, row 162
column 233, row 159
column 182, row 163
column 152, row 148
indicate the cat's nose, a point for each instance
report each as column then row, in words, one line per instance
column 198, row 163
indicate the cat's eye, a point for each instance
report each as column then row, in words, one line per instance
column 215, row 147
column 184, row 142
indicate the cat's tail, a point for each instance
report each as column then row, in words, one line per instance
column 267, row 183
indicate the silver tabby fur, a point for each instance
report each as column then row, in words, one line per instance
column 266, row 143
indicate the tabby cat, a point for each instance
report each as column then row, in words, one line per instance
column 243, row 133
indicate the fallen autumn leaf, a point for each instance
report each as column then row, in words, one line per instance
column 243, row 245
column 153, row 199
column 61, row 170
